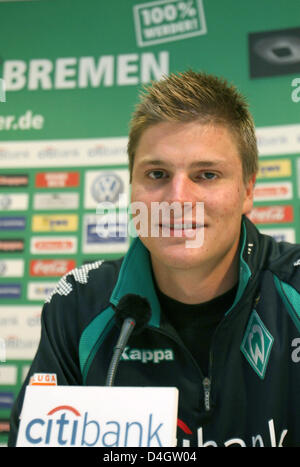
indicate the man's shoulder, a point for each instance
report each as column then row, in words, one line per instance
column 284, row 262
column 267, row 253
column 94, row 277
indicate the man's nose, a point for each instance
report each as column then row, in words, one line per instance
column 181, row 189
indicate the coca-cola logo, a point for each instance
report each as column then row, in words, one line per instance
column 271, row 214
column 51, row 267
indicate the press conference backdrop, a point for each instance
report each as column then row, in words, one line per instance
column 70, row 73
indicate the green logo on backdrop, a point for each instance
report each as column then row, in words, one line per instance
column 257, row 344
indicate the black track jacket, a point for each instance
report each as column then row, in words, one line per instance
column 251, row 396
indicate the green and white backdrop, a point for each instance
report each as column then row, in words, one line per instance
column 70, row 73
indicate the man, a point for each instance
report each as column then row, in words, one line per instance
column 225, row 313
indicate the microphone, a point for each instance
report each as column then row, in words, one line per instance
column 132, row 313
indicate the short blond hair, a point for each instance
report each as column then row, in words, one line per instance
column 193, row 96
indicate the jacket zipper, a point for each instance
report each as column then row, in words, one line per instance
column 206, row 386
column 206, row 381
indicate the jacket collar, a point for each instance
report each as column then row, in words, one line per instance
column 135, row 276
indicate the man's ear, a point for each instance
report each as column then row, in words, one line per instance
column 249, row 194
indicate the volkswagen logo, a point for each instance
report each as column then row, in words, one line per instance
column 5, row 202
column 2, row 268
column 107, row 187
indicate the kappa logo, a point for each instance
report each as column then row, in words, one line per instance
column 257, row 344
column 147, row 355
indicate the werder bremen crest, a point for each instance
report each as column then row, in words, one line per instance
column 257, row 344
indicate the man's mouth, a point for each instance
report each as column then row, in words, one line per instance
column 186, row 229
column 184, row 226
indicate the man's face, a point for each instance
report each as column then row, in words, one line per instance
column 190, row 163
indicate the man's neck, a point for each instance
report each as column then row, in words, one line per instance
column 197, row 285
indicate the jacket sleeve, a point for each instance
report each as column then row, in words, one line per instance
column 57, row 351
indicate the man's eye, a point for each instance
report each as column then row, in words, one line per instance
column 208, row 175
column 156, row 174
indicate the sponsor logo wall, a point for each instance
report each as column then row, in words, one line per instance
column 276, row 202
column 58, row 228
column 48, row 226
column 64, row 113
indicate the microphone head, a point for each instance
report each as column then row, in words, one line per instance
column 136, row 307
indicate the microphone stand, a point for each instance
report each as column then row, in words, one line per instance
column 127, row 328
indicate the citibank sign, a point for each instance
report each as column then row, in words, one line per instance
column 66, row 426
column 72, row 416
